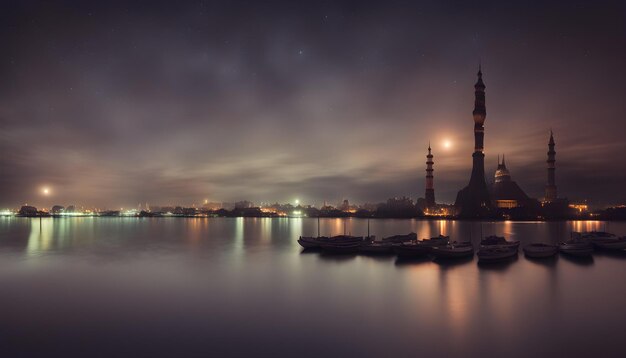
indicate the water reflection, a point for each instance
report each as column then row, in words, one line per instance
column 205, row 283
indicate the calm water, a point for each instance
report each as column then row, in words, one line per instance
column 243, row 287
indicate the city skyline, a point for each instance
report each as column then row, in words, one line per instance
column 300, row 101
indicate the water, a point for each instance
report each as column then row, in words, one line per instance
column 243, row 287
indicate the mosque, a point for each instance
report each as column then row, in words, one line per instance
column 503, row 195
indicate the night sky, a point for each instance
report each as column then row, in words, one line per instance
column 111, row 104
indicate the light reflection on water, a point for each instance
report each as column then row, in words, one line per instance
column 183, row 287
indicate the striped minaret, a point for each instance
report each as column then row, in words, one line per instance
column 551, row 186
column 430, row 188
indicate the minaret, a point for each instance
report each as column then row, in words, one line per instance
column 551, row 186
column 430, row 189
column 473, row 200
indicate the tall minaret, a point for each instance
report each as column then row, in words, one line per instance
column 551, row 186
column 473, row 200
column 430, row 188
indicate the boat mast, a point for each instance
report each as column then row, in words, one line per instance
column 318, row 225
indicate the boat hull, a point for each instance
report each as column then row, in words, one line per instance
column 486, row 256
column 376, row 249
column 412, row 250
column 341, row 248
column 308, row 243
column 452, row 253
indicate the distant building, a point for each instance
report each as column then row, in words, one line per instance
column 57, row 209
column 212, row 206
column 244, row 204
column 474, row 199
column 27, row 210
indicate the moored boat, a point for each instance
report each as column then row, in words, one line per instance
column 454, row 250
column 341, row 248
column 499, row 242
column 401, row 238
column 576, row 247
column 440, row 240
column 411, row 249
column 376, row 247
column 342, row 244
column 609, row 242
column 419, row 248
column 540, row 250
column 309, row 242
column 496, row 254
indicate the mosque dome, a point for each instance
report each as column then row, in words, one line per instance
column 502, row 173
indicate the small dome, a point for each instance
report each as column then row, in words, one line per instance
column 502, row 173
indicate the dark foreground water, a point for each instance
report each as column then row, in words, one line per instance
column 243, row 287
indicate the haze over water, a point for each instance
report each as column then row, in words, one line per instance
column 244, row 287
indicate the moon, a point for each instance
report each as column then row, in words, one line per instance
column 45, row 190
column 447, row 144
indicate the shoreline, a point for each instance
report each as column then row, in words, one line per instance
column 309, row 217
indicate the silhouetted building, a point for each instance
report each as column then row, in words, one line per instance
column 474, row 200
column 398, row 208
column 551, row 193
column 430, row 188
column 505, row 193
column 244, row 204
column 27, row 210
column 57, row 209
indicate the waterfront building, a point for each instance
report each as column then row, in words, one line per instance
column 474, row 199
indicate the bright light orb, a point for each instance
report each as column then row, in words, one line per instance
column 447, row 144
column 297, row 201
column 45, row 190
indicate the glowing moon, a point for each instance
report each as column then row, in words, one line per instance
column 45, row 190
column 447, row 144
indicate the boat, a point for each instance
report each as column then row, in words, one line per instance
column 411, row 249
column 401, row 238
column 453, row 250
column 576, row 247
column 610, row 243
column 341, row 248
column 419, row 248
column 540, row 250
column 496, row 253
column 376, row 247
column 436, row 241
column 498, row 241
column 309, row 242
